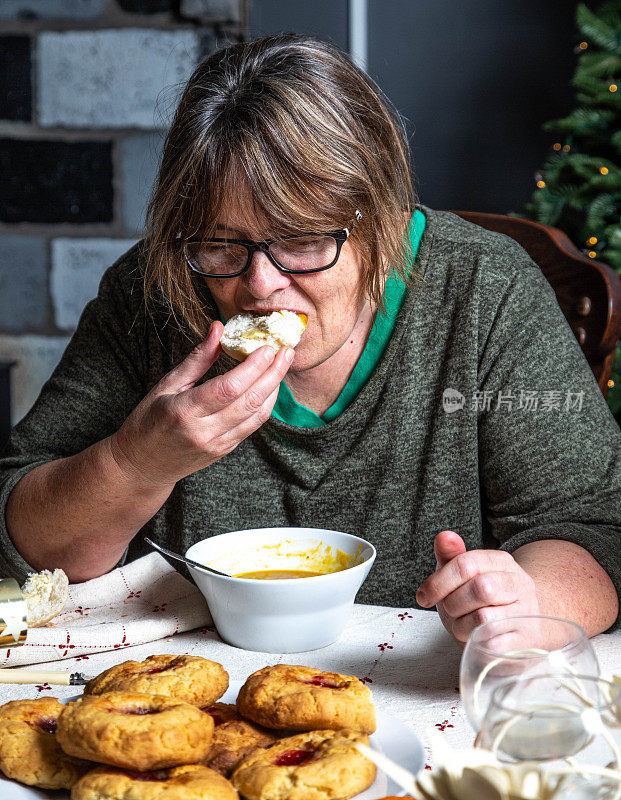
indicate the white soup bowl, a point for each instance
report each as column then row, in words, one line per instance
column 290, row 615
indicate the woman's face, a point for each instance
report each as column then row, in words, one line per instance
column 330, row 299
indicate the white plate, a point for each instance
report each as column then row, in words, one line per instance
column 393, row 738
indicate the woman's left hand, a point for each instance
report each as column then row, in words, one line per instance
column 472, row 587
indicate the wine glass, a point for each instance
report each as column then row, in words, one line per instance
column 569, row 723
column 521, row 646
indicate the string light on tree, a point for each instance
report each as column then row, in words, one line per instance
column 585, row 146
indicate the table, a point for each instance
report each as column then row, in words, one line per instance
column 404, row 655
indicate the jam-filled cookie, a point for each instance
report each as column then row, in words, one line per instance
column 179, row 783
column 233, row 738
column 134, row 731
column 319, row 765
column 191, row 679
column 29, row 751
column 305, row 699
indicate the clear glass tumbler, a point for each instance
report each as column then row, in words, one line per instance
column 516, row 647
column 569, row 724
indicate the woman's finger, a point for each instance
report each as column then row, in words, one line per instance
column 256, row 395
column 524, row 632
column 462, row 627
column 460, row 570
column 226, row 392
column 485, row 589
column 232, row 437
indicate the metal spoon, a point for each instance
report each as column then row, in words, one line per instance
column 185, row 560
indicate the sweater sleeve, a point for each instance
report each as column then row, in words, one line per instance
column 549, row 448
column 77, row 406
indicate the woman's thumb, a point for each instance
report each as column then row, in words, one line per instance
column 446, row 546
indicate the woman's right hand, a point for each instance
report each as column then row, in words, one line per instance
column 179, row 428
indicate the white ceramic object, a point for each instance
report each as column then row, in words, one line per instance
column 280, row 616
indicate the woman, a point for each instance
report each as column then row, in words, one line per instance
column 495, row 508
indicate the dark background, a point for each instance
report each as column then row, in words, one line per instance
column 475, row 80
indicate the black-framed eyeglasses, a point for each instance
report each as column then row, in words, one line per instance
column 298, row 254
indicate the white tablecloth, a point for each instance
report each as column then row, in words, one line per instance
column 404, row 655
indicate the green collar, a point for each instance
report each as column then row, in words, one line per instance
column 287, row 409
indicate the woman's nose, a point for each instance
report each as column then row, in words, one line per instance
column 262, row 278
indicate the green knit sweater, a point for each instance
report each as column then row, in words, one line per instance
column 482, row 416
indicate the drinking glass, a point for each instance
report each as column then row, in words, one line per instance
column 516, row 647
column 569, row 723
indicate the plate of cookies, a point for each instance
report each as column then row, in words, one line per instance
column 174, row 727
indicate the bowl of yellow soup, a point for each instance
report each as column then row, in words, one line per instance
column 290, row 589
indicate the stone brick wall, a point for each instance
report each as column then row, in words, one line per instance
column 87, row 88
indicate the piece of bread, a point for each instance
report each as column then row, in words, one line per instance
column 245, row 333
column 46, row 594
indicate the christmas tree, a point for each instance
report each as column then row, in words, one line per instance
column 579, row 187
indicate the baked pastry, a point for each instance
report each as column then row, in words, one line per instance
column 319, row 765
column 46, row 594
column 306, row 699
column 245, row 333
column 134, row 731
column 189, row 679
column 178, row 783
column 29, row 751
column 233, row 738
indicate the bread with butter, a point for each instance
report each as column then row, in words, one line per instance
column 245, row 333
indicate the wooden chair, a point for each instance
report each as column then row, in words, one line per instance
column 588, row 292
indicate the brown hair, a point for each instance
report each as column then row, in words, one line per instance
column 292, row 126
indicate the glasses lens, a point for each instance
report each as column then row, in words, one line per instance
column 218, row 258
column 305, row 252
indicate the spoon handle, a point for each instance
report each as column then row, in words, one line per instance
column 185, row 560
